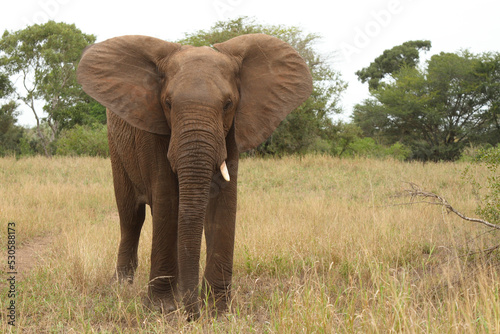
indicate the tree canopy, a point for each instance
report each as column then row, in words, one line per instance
column 436, row 110
column 45, row 57
column 10, row 134
column 5, row 86
column 391, row 61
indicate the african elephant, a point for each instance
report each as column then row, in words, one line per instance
column 178, row 117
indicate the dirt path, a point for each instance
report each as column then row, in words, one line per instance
column 31, row 254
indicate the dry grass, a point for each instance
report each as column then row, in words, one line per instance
column 320, row 248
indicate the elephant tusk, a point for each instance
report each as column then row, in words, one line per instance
column 224, row 171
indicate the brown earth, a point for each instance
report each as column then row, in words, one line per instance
column 31, row 254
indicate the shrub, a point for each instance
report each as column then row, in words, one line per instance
column 471, row 153
column 365, row 147
column 88, row 140
column 490, row 206
column 398, row 151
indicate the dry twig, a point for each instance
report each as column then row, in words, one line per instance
column 430, row 198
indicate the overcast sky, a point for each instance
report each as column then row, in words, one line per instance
column 353, row 32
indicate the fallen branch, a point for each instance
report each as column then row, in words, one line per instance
column 430, row 198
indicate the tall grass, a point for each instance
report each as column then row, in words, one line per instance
column 320, row 247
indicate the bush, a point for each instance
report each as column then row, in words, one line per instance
column 488, row 193
column 30, row 143
column 88, row 140
column 368, row 147
column 398, row 151
column 489, row 209
column 365, row 147
column 472, row 153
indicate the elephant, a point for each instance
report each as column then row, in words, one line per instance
column 178, row 117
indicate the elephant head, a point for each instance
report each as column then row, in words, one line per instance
column 195, row 96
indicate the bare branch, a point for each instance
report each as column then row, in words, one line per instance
column 415, row 192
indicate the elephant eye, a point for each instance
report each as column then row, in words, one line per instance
column 168, row 103
column 228, row 105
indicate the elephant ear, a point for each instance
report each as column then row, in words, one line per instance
column 274, row 80
column 122, row 74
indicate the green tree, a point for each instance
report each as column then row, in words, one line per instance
column 391, row 61
column 488, row 71
column 5, row 86
column 344, row 137
column 436, row 111
column 10, row 133
column 308, row 124
column 459, row 97
column 87, row 112
column 371, row 117
column 45, row 57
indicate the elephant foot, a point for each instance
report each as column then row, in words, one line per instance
column 193, row 313
column 164, row 305
column 215, row 307
column 191, row 305
column 216, row 301
column 169, row 306
column 124, row 275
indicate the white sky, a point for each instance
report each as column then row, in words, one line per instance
column 354, row 32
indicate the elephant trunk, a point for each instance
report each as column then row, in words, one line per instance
column 194, row 188
column 195, row 154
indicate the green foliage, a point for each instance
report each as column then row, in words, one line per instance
column 368, row 148
column 221, row 32
column 471, row 152
column 45, row 57
column 398, row 151
column 391, row 61
column 5, row 86
column 30, row 143
column 88, row 112
column 306, row 129
column 10, row 133
column 436, row 111
column 298, row 133
column 84, row 140
column 344, row 136
column 488, row 72
column 489, row 208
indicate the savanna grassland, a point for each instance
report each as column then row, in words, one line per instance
column 321, row 247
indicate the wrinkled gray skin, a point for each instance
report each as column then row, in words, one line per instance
column 175, row 115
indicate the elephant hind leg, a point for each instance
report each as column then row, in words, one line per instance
column 131, row 221
column 130, row 200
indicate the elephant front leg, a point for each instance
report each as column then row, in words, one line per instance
column 219, row 235
column 162, row 289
